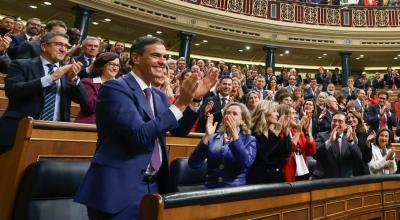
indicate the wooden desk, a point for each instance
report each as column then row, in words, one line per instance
column 39, row 140
column 3, row 100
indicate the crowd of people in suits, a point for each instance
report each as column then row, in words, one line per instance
column 259, row 127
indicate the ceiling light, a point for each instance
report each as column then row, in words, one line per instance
column 281, row 54
column 107, row 19
column 47, row 3
column 33, row 6
column 149, row 35
column 395, row 58
column 319, row 57
column 240, row 50
column 247, row 47
column 197, row 44
column 205, row 41
column 287, row 51
column 95, row 23
column 398, row 55
column 361, row 56
column 324, row 54
column 159, row 32
column 357, row 58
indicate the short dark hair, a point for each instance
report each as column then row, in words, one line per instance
column 139, row 44
column 101, row 61
column 50, row 35
column 390, row 137
column 53, row 23
column 225, row 77
column 119, row 41
column 9, row 17
column 383, row 93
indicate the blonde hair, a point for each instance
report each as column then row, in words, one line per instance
column 246, row 125
column 259, row 117
column 239, row 90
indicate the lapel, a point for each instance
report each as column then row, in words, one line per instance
column 345, row 146
column 217, row 106
column 38, row 70
column 157, row 102
column 138, row 94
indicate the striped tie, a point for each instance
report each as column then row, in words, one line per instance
column 50, row 93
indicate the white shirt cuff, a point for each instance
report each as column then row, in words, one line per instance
column 177, row 113
column 46, row 81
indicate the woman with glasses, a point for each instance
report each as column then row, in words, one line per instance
column 104, row 68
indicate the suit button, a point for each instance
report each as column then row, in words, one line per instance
column 221, row 166
column 220, row 179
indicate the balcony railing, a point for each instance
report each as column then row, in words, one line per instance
column 326, row 15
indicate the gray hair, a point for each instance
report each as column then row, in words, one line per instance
column 90, row 38
column 50, row 35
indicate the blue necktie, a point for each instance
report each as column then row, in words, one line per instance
column 156, row 159
column 50, row 93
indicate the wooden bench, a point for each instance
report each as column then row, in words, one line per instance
column 2, row 78
column 366, row 197
column 41, row 140
column 396, row 148
column 3, row 99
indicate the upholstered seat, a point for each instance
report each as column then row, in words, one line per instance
column 184, row 178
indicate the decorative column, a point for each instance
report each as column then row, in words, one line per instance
column 82, row 16
column 346, row 67
column 270, row 57
column 186, row 43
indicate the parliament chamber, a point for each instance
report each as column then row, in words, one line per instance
column 346, row 52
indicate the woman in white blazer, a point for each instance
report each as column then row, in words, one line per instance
column 383, row 158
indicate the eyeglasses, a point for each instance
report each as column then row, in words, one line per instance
column 59, row 44
column 114, row 65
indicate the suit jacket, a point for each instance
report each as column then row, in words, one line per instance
column 378, row 85
column 373, row 118
column 332, row 164
column 29, row 49
column 388, row 79
column 83, row 73
column 324, row 123
column 216, row 111
column 16, row 42
column 4, row 63
column 361, row 167
column 126, row 135
column 87, row 112
column 352, row 95
column 359, row 106
column 271, row 155
column 289, row 89
column 26, row 96
column 227, row 162
column 309, row 95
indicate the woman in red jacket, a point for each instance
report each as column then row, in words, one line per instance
column 303, row 145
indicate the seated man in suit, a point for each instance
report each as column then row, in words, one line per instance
column 132, row 121
column 40, row 88
column 350, row 91
column 325, row 119
column 33, row 29
column 217, row 103
column 336, row 150
column 90, row 48
column 380, row 115
column 31, row 49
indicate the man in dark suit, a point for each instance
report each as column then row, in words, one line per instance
column 360, row 102
column 380, row 115
column 325, row 119
column 4, row 58
column 350, row 91
column 311, row 91
column 31, row 49
column 388, row 77
column 336, row 150
column 32, row 33
column 132, row 121
column 216, row 102
column 90, row 48
column 260, row 87
column 40, row 88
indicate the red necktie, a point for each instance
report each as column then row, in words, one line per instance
column 383, row 121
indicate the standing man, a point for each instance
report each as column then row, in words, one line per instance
column 32, row 33
column 350, row 91
column 41, row 88
column 90, row 48
column 132, row 121
column 336, row 150
column 6, row 26
column 119, row 48
column 381, row 115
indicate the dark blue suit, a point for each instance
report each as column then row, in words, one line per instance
column 16, row 41
column 83, row 73
column 126, row 136
column 324, row 124
column 227, row 162
column 26, row 96
column 373, row 118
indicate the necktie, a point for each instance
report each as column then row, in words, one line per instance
column 260, row 95
column 90, row 60
column 223, row 102
column 337, row 144
column 383, row 121
column 50, row 93
column 156, row 159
